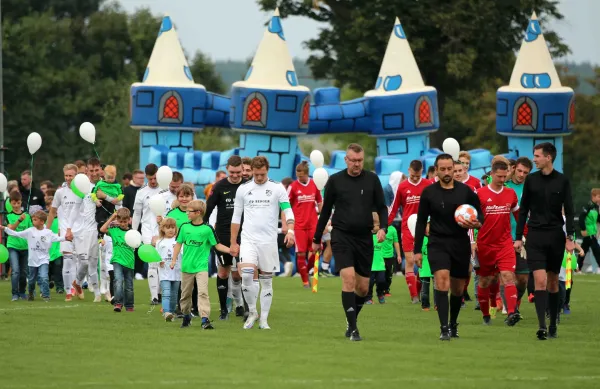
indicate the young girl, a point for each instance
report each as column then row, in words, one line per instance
column 377, row 268
column 170, row 278
column 107, row 274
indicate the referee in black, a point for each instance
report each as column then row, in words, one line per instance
column 355, row 194
column 545, row 193
column 449, row 246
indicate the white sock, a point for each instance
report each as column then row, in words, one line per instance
column 236, row 293
column 266, row 295
column 93, row 275
column 229, row 292
column 324, row 266
column 82, row 270
column 153, row 281
column 68, row 271
column 250, row 288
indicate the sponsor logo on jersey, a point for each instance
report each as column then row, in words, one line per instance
column 268, row 192
column 497, row 209
column 413, row 199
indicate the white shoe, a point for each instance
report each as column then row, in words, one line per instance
column 598, row 271
column 288, row 269
column 264, row 325
column 107, row 297
column 90, row 288
column 98, row 299
column 589, row 269
column 252, row 318
column 504, row 311
column 138, row 276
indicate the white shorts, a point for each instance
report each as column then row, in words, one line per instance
column 263, row 255
column 66, row 246
column 86, row 243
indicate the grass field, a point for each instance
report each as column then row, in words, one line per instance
column 87, row 345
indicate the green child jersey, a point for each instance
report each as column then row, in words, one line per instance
column 518, row 188
column 387, row 247
column 197, row 240
column 591, row 223
column 122, row 253
column 112, row 189
column 55, row 248
column 179, row 215
column 18, row 243
column 378, row 262
column 425, row 270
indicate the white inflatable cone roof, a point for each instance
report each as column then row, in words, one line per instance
column 272, row 67
column 167, row 65
column 399, row 71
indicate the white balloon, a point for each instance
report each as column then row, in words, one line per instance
column 157, row 205
column 451, row 146
column 82, row 183
column 3, row 183
column 133, row 239
column 412, row 223
column 164, row 176
column 317, row 158
column 34, row 142
column 320, row 177
column 88, row 132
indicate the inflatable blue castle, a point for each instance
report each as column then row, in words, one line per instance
column 271, row 109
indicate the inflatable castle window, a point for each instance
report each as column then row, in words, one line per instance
column 169, row 108
column 255, row 110
column 423, row 112
column 525, row 115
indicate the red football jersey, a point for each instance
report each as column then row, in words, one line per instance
column 303, row 199
column 473, row 183
column 497, row 208
column 408, row 197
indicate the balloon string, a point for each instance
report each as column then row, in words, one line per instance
column 94, row 147
column 31, row 183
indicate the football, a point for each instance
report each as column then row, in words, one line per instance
column 465, row 212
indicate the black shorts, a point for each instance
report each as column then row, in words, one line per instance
column 352, row 251
column 545, row 249
column 222, row 258
column 522, row 266
column 450, row 254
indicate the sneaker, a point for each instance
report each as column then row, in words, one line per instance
column 477, row 307
column 288, row 269
column 60, row 291
column 187, row 321
column 425, row 309
column 169, row 316
column 129, row 309
column 381, row 299
column 195, row 313
column 513, row 319
column 107, row 297
column 542, row 334
column 325, row 274
column 493, row 312
column 85, row 285
column 229, row 304
column 415, row 300
column 454, row 330
column 118, row 307
column 154, row 302
column 552, row 333
column 388, row 294
column 444, row 333
column 23, row 296
column 138, row 276
column 31, row 296
column 46, row 299
column 487, row 321
column 567, row 309
column 224, row 315
column 306, row 285
column 98, row 299
column 239, row 311
column 252, row 317
column 348, row 330
column 504, row 311
column 355, row 336
column 531, row 298
column 78, row 290
column 51, row 284
column 69, row 297
column 369, row 302
column 206, row 324
column 264, row 325
column 15, row 298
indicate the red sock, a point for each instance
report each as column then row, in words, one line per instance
column 483, row 295
column 311, row 261
column 510, row 293
column 301, row 268
column 411, row 281
column 494, row 288
column 467, row 284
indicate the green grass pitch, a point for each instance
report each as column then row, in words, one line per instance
column 86, row 345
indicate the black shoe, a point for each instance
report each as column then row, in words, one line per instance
column 552, row 333
column 513, row 319
column 160, row 298
column 467, row 297
column 51, row 285
column 154, row 302
column 348, row 331
column 60, row 291
column 542, row 334
column 454, row 330
column 195, row 313
column 487, row 321
column 187, row 321
column 355, row 336
column 477, row 307
column 239, row 311
column 207, row 325
column 224, row 315
column 30, row 296
column 444, row 333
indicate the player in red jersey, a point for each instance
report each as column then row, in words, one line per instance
column 304, row 194
column 473, row 182
column 494, row 242
column 408, row 197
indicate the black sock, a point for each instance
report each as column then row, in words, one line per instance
column 360, row 301
column 553, row 306
column 441, row 300
column 349, row 304
column 223, row 289
column 520, row 292
column 568, row 295
column 455, row 304
column 541, row 301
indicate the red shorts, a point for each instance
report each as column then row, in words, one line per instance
column 493, row 259
column 304, row 239
column 408, row 241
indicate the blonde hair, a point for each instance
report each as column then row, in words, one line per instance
column 123, row 213
column 166, row 222
column 464, row 154
column 110, row 170
column 595, row 191
column 40, row 215
column 197, row 205
column 70, row 166
column 500, row 158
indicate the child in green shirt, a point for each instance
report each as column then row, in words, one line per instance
column 389, row 245
column 197, row 238
column 108, row 186
column 425, row 273
column 377, row 268
column 122, row 259
column 17, row 247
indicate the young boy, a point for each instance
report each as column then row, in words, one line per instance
column 197, row 238
column 425, row 273
column 17, row 247
column 108, row 186
column 39, row 240
column 122, row 259
column 377, row 268
column 387, row 251
column 55, row 270
column 589, row 228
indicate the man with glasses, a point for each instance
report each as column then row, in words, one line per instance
column 222, row 197
column 355, row 194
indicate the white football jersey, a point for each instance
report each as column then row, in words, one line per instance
column 169, row 198
column 67, row 208
column 86, row 219
column 165, row 248
column 38, row 243
column 147, row 217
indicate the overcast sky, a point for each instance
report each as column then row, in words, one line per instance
column 231, row 29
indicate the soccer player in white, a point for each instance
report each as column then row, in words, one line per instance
column 66, row 206
column 259, row 200
column 170, row 195
column 144, row 215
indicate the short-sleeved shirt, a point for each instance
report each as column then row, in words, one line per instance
column 55, row 248
column 179, row 215
column 378, row 262
column 122, row 253
column 387, row 248
column 303, row 198
column 197, row 241
column 14, row 242
column 518, row 188
column 425, row 270
column 112, row 189
column 497, row 208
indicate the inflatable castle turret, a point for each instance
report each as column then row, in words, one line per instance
column 535, row 107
